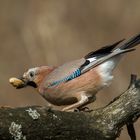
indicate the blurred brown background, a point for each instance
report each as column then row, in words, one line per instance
column 51, row 32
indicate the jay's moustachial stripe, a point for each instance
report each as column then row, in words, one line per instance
column 74, row 84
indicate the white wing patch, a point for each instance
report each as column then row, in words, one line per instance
column 92, row 59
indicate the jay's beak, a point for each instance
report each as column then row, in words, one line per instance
column 22, row 82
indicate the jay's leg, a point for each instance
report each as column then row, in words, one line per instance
column 90, row 100
column 83, row 99
column 86, row 109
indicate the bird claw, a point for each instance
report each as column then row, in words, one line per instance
column 83, row 109
column 76, row 110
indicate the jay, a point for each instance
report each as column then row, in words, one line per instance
column 75, row 84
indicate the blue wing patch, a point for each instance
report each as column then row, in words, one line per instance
column 68, row 78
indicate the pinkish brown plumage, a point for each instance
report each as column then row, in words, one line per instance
column 76, row 83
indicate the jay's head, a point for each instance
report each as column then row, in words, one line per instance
column 32, row 77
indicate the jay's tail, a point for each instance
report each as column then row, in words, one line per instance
column 122, row 48
column 131, row 42
column 106, row 53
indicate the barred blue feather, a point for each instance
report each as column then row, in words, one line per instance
column 68, row 78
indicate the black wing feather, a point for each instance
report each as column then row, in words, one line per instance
column 103, row 51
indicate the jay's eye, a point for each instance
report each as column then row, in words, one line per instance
column 31, row 74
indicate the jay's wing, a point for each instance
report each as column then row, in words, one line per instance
column 65, row 72
column 73, row 69
column 76, row 68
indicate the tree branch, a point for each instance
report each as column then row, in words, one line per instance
column 41, row 123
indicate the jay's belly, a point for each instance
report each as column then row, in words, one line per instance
column 69, row 92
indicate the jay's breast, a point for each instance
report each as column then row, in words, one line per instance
column 69, row 92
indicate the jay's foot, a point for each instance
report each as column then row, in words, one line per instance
column 83, row 109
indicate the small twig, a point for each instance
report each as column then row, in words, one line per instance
column 130, row 124
column 132, row 80
column 131, row 131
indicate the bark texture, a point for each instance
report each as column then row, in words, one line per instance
column 41, row 123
